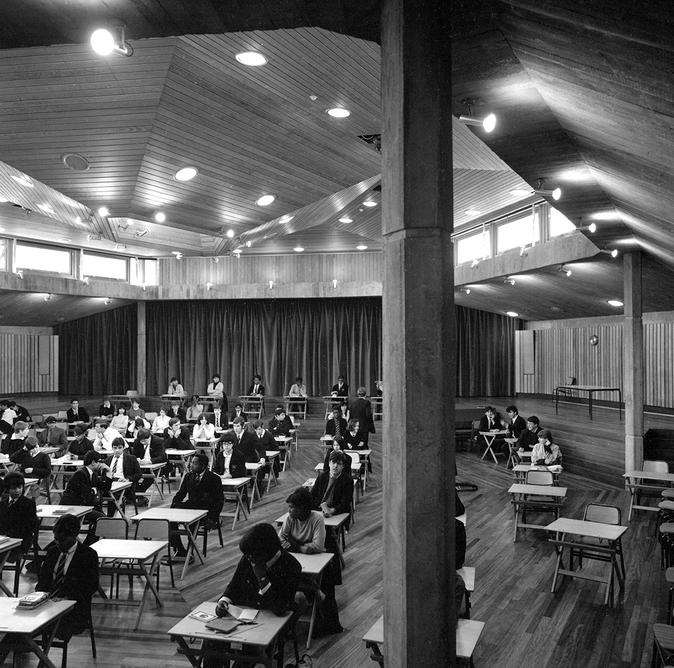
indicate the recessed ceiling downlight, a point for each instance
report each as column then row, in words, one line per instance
column 265, row 200
column 186, row 174
column 251, row 58
column 338, row 112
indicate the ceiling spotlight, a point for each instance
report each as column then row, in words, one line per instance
column 271, row 285
column 488, row 122
column 512, row 314
column 251, row 58
column 216, row 260
column 369, row 202
column 466, row 290
column 298, row 249
column 230, row 233
column 209, row 286
column 107, row 301
column 346, row 219
column 612, row 253
column 141, row 233
column 237, row 253
column 24, row 181
column 104, row 211
column 47, row 297
column 592, row 227
column 361, row 247
column 615, row 302
column 178, row 254
column 555, row 194
column 104, row 42
column 20, row 274
column 186, row 174
column 265, row 200
column 159, row 216
column 94, row 237
column 473, row 212
column 474, row 263
column 120, row 247
column 338, row 112
column 564, row 270
column 510, row 280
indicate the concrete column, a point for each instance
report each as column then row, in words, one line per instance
column 633, row 362
column 141, row 351
column 418, row 335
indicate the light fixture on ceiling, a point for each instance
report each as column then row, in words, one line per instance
column 216, row 260
column 473, row 212
column 104, row 211
column 466, row 290
column 159, row 216
column 612, row 252
column 512, row 314
column 543, row 192
column 523, row 251
column 47, row 297
column 122, row 228
column 120, row 247
column 565, row 270
column 285, row 219
column 298, row 249
column 20, row 274
column 345, row 220
column 361, row 247
column 178, row 254
column 474, row 263
column 509, row 279
column 94, row 237
column 75, row 162
column 369, row 202
column 140, row 233
column 488, row 122
column 186, row 173
column 209, row 286
column 65, row 240
column 265, row 200
column 334, row 283
column 230, row 234
column 24, row 181
column 107, row 301
column 338, row 112
column 237, row 253
column 104, row 41
column 614, row 302
column 3, row 229
column 251, row 58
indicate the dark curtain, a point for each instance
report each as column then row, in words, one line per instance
column 486, row 353
column 97, row 354
column 315, row 338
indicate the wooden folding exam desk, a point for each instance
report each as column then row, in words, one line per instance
column 180, row 458
column 168, row 399
column 6, row 546
column 606, row 542
column 130, row 557
column 186, row 517
column 657, row 482
column 254, row 643
column 43, row 620
column 334, row 524
column 300, row 402
column 151, row 471
column 468, row 633
column 252, row 405
column 115, row 496
column 591, row 390
column 490, row 437
column 313, row 566
column 534, row 497
column 330, row 402
column 520, row 473
column 233, row 489
column 285, row 446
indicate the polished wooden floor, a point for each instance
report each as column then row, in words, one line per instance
column 526, row 625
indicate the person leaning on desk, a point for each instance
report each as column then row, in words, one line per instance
column 546, row 452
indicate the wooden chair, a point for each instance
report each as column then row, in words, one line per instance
column 63, row 646
column 652, row 466
column 663, row 645
column 203, row 531
column 157, row 530
column 535, row 477
column 111, row 527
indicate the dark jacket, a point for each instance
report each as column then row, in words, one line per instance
column 181, row 414
column 80, row 449
column 157, row 450
column 11, row 445
column 41, row 464
column 18, row 520
column 80, row 583
column 207, row 495
column 260, row 390
column 341, row 392
column 330, row 426
column 181, row 441
column 82, row 415
column 361, row 410
column 342, row 492
column 249, row 446
column 130, row 466
column 517, row 427
column 280, row 428
column 56, row 438
column 80, row 490
column 237, row 464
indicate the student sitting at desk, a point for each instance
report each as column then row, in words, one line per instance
column 220, row 419
column 238, row 412
column 81, row 445
column 105, row 435
column 529, row 437
column 175, row 389
column 354, row 437
column 303, row 531
column 337, row 445
column 267, row 442
column 335, row 425
column 256, row 389
column 15, row 441
column 7, row 417
column 280, row 424
column 230, row 462
column 332, row 492
column 546, row 453
column 135, row 411
column 340, row 388
column 18, row 518
column 120, row 422
column 53, row 436
column 247, row 443
column 160, row 423
column 135, row 426
column 199, row 489
column 216, row 390
column 194, row 410
column 177, row 436
column 31, row 461
column 175, row 411
column 204, row 431
column 515, row 429
column 76, row 413
column 123, row 466
column 106, row 409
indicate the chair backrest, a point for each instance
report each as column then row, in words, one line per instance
column 38, row 419
column 132, row 394
column 111, row 527
column 152, row 530
column 62, row 425
column 655, row 466
column 598, row 512
column 535, row 477
column 476, row 425
column 150, row 416
column 355, row 458
column 62, row 415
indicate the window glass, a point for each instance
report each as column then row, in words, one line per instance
column 3, row 254
column 150, row 272
column 559, row 223
column 471, row 247
column 516, row 233
column 104, row 266
column 38, row 258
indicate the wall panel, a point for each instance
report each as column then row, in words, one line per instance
column 28, row 363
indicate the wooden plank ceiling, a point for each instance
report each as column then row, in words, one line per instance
column 583, row 93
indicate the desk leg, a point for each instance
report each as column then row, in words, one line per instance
column 589, row 402
column 559, row 564
column 556, row 401
column 188, row 651
column 3, row 561
column 314, row 609
column 149, row 586
column 192, row 547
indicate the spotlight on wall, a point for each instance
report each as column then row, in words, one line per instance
column 85, row 280
column 334, row 283
column 216, row 260
column 543, row 192
column 523, row 251
column 488, row 123
column 47, row 297
column 509, row 279
column 612, row 252
column 565, row 270
column 474, row 263
column 20, row 274
column 271, row 285
column 209, row 286
column 104, row 41
column 159, row 216
column 466, row 290
column 107, row 301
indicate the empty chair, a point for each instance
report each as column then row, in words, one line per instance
column 652, row 466
column 157, row 530
column 111, row 527
column 535, row 477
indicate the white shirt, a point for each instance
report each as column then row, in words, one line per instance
column 104, row 441
column 215, row 390
column 160, row 422
column 203, row 432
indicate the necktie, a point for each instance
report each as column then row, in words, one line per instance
column 217, row 420
column 57, row 584
column 338, row 431
column 115, row 467
column 147, row 452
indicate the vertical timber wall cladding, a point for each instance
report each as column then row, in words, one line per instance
column 28, row 363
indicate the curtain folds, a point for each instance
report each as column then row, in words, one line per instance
column 97, row 354
column 281, row 338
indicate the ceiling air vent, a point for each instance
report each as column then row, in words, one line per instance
column 76, row 162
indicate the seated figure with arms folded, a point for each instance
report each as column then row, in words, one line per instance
column 204, row 431
column 216, row 390
column 12, row 443
column 177, row 436
column 105, row 435
column 77, row 413
column 195, row 409
column 81, row 445
column 175, row 389
column 176, row 411
column 160, row 423
column 31, row 461
column 280, row 424
column 546, row 452
column 106, row 409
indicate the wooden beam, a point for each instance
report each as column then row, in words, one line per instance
column 633, row 373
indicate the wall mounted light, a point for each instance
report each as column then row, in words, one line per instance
column 216, row 260
column 466, row 290
column 612, row 252
column 159, row 216
column 474, row 263
column 523, row 251
column 104, row 41
column 555, row 194
column 209, row 286
column 107, row 301
column 512, row 314
column 94, row 237
column 271, row 285
column 334, row 283
column 142, row 285
column 47, row 297
column 20, row 274
column 509, row 279
column 615, row 302
column 488, row 123
column 565, row 270
column 103, row 211
column 85, row 280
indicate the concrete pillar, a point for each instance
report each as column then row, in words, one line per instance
column 418, row 335
column 141, row 351
column 633, row 362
